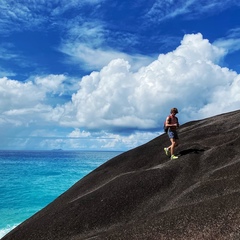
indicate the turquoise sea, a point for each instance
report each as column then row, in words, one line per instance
column 29, row 180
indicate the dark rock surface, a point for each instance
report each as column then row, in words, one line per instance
column 142, row 195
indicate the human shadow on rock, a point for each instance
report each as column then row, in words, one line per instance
column 190, row 150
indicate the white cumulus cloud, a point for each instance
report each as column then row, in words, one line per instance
column 188, row 78
column 120, row 107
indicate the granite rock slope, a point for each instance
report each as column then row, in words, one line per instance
column 141, row 194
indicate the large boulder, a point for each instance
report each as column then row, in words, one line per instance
column 141, row 194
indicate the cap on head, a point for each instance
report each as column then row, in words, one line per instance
column 174, row 110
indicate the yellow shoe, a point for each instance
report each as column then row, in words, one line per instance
column 167, row 151
column 174, row 157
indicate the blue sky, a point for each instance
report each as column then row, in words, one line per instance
column 103, row 74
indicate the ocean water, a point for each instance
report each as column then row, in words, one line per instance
column 29, row 180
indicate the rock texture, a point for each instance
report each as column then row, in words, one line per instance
column 141, row 194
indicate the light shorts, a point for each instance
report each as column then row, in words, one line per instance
column 172, row 134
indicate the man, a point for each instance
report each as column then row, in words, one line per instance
column 172, row 124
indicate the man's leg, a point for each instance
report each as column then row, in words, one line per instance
column 174, row 143
column 172, row 147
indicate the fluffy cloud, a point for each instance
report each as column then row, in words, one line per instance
column 117, row 98
column 118, row 107
column 25, row 102
column 79, row 134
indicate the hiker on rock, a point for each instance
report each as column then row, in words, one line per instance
column 172, row 124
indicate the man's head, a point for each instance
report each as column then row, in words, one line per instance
column 174, row 110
